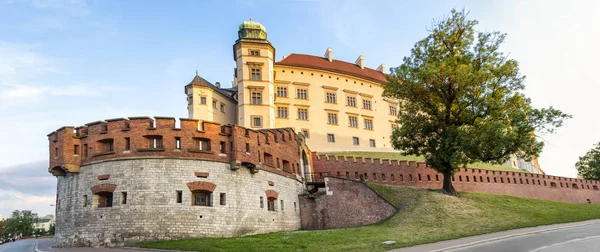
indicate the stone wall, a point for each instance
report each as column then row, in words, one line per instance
column 151, row 211
column 417, row 174
column 344, row 203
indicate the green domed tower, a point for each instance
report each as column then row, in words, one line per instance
column 252, row 30
column 253, row 76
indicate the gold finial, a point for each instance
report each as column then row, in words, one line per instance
column 250, row 18
column 196, row 72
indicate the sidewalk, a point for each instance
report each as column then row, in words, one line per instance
column 473, row 240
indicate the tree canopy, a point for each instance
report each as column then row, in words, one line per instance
column 461, row 100
column 588, row 166
column 21, row 222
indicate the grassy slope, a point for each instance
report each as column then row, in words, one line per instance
column 398, row 156
column 426, row 216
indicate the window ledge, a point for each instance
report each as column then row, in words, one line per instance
column 200, row 151
column 151, row 128
column 248, row 153
column 103, row 132
column 150, row 149
column 125, row 129
column 103, row 153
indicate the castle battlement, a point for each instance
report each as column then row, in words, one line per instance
column 418, row 174
column 275, row 150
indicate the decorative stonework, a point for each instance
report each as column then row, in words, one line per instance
column 201, row 174
column 103, row 177
column 271, row 194
column 201, row 186
column 103, row 188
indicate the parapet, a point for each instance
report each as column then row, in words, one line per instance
column 142, row 136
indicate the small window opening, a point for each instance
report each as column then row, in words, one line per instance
column 202, row 198
column 123, row 198
column 84, row 200
column 222, row 199
column 127, row 144
column 178, row 143
column 179, row 196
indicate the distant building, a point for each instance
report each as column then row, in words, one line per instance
column 44, row 223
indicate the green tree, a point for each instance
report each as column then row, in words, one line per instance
column 21, row 222
column 52, row 229
column 588, row 166
column 461, row 100
column 2, row 224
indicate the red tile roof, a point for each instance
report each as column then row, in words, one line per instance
column 321, row 63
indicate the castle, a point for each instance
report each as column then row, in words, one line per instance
column 244, row 162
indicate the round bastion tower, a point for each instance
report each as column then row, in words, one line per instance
column 254, row 55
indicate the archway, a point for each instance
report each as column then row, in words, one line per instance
column 306, row 166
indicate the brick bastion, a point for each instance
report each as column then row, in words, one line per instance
column 124, row 181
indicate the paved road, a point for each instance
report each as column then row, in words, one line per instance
column 26, row 245
column 572, row 237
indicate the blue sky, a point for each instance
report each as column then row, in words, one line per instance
column 69, row 62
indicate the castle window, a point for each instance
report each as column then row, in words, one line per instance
column 202, row 198
column 262, row 204
column 256, row 97
column 369, row 124
column 277, row 163
column 393, row 178
column 330, row 138
column 105, row 145
column 85, row 150
column 104, row 199
column 353, row 121
column 332, row 118
column 254, row 52
column 282, row 92
column 203, row 144
column 203, row 100
column 281, row 202
column 154, row 142
column 294, row 206
column 268, row 159
column 282, row 112
column 84, row 200
column 302, row 114
column 222, row 147
column 393, row 110
column 127, row 144
column 271, row 204
column 223, row 107
column 124, row 198
column 178, row 143
column 256, row 121
column 255, row 72
column 190, row 100
column 372, row 143
column 76, row 150
column 355, row 141
column 214, row 104
column 179, row 196
column 247, row 148
column 302, row 93
column 330, row 97
column 306, row 133
column 222, row 199
column 367, row 104
column 351, row 101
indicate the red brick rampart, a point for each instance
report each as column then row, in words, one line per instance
column 417, row 174
column 274, row 150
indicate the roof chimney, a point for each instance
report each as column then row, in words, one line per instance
column 218, row 84
column 381, row 68
column 329, row 54
column 360, row 62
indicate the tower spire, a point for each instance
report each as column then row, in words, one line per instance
column 196, row 72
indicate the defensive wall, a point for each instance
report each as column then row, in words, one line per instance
column 124, row 181
column 343, row 203
column 417, row 174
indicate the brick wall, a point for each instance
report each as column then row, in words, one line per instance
column 403, row 173
column 72, row 147
column 346, row 203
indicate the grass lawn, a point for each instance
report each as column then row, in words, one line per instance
column 399, row 156
column 426, row 216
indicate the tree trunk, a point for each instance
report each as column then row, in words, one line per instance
column 448, row 188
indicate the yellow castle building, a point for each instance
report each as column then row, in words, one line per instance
column 337, row 105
